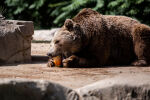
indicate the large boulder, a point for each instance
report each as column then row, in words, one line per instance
column 23, row 89
column 123, row 87
column 15, row 41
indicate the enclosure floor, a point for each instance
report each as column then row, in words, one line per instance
column 39, row 48
column 70, row 77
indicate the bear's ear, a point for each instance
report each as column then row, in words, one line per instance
column 69, row 24
column 77, row 29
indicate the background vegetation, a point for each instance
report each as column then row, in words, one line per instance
column 52, row 13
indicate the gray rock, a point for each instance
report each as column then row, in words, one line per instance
column 44, row 35
column 23, row 89
column 124, row 87
column 15, row 41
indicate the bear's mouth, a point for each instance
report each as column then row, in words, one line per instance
column 51, row 55
column 66, row 54
column 55, row 55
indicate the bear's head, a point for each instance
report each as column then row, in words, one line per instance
column 66, row 41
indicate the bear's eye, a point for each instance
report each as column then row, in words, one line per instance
column 57, row 41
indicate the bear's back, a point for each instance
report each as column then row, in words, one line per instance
column 119, row 30
column 119, row 22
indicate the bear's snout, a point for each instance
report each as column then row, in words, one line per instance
column 49, row 54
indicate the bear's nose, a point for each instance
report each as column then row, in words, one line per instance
column 49, row 54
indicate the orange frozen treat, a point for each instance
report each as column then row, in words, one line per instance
column 57, row 61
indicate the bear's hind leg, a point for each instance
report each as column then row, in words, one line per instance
column 141, row 40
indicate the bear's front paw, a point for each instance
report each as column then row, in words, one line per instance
column 139, row 63
column 50, row 63
column 72, row 61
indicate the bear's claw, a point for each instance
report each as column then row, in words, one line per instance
column 139, row 63
column 72, row 61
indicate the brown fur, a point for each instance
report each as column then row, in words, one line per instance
column 96, row 40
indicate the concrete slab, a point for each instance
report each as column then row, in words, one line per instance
column 44, row 35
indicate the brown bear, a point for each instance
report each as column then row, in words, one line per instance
column 91, row 39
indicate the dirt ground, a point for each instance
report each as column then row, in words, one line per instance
column 39, row 48
column 70, row 77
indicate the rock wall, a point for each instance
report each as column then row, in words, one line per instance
column 123, row 87
column 15, row 41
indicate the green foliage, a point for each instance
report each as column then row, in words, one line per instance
column 28, row 10
column 52, row 13
column 139, row 9
column 71, row 8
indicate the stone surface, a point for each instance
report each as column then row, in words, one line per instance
column 124, row 87
column 44, row 35
column 15, row 41
column 23, row 89
column 69, row 77
column 112, row 82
